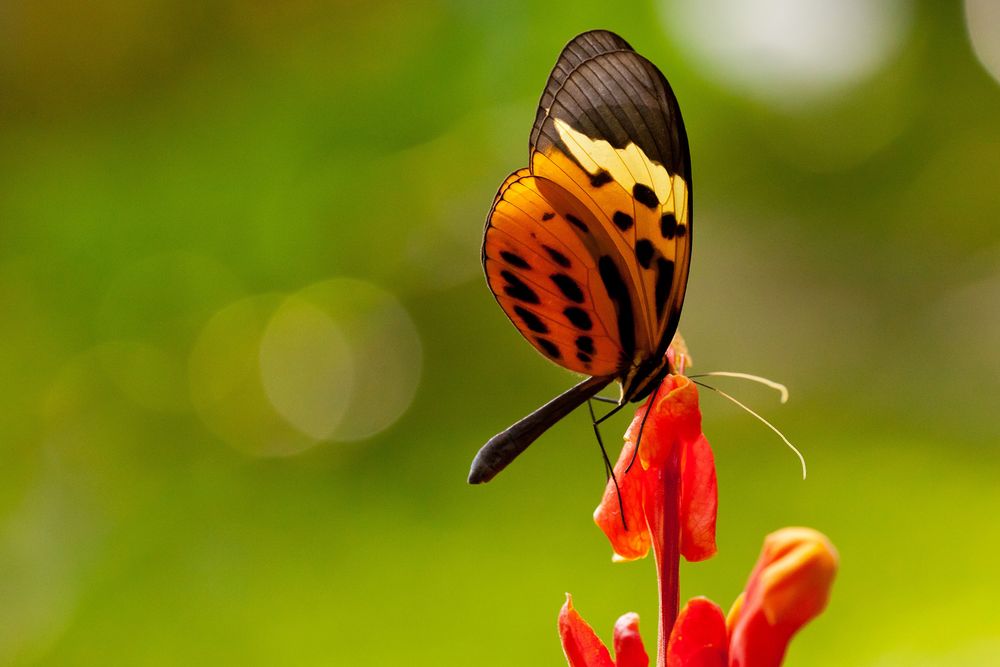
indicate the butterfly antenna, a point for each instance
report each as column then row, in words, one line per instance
column 608, row 468
column 642, row 425
column 780, row 388
column 766, row 423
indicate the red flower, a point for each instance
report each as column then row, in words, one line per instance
column 789, row 586
column 673, row 453
column 669, row 495
column 669, row 499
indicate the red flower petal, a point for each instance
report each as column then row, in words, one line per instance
column 699, row 637
column 582, row 646
column 629, row 651
column 699, row 501
column 634, row 542
column 674, row 421
column 675, row 417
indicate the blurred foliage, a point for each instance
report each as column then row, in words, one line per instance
column 171, row 172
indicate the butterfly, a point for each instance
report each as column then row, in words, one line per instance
column 587, row 249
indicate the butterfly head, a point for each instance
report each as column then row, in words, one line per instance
column 644, row 375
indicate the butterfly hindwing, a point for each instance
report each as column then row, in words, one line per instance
column 540, row 262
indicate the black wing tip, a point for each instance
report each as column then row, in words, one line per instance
column 679, row 162
column 578, row 50
column 600, row 34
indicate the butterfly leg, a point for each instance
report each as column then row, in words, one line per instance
column 611, row 413
column 642, row 425
column 608, row 468
column 605, row 399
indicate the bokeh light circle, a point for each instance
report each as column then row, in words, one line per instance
column 306, row 368
column 225, row 382
column 788, row 52
column 982, row 18
column 379, row 369
column 274, row 375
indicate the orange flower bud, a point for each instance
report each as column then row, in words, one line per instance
column 789, row 586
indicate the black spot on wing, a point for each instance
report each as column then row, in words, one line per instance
column 618, row 293
column 548, row 216
column 557, row 257
column 664, row 281
column 584, row 357
column 622, row 220
column 531, row 320
column 576, row 222
column 668, row 226
column 516, row 289
column 644, row 252
column 550, row 348
column 585, row 344
column 602, row 177
column 568, row 287
column 645, row 196
column 579, row 318
column 514, row 259
column 681, row 230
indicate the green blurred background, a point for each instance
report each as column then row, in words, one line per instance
column 248, row 354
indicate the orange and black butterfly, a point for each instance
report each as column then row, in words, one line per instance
column 587, row 249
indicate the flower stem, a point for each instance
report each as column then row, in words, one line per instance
column 665, row 527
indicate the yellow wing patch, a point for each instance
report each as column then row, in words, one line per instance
column 627, row 166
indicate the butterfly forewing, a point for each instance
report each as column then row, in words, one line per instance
column 540, row 265
column 582, row 48
column 610, row 132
